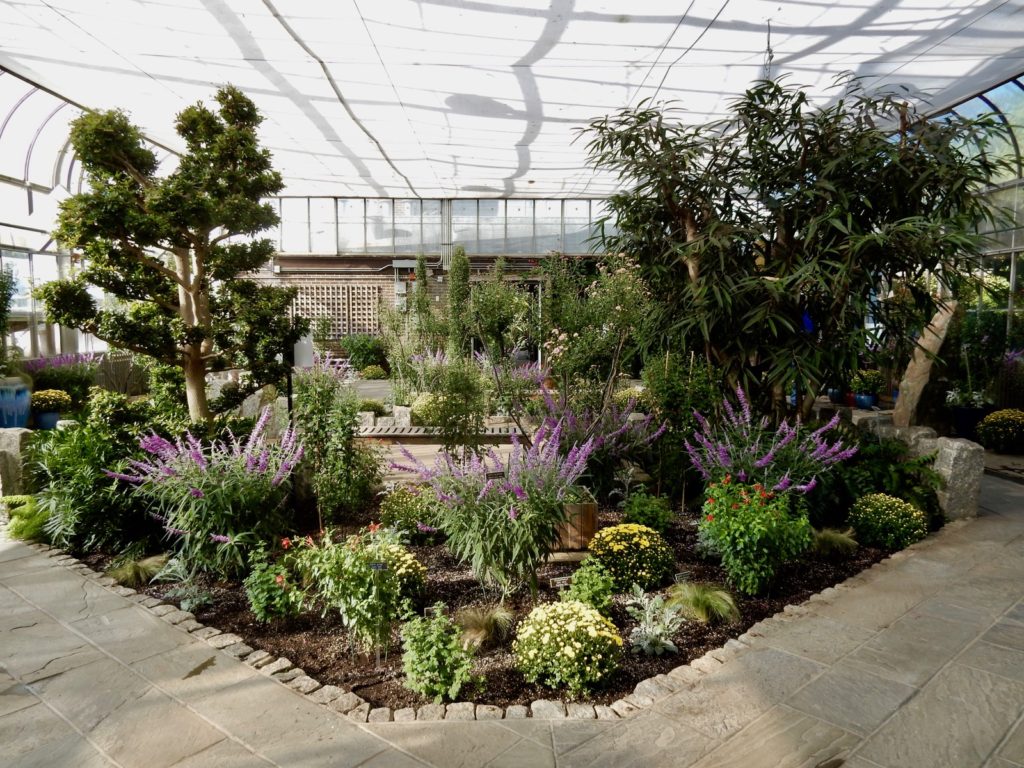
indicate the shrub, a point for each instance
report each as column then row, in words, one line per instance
column 567, row 645
column 503, row 528
column 867, row 382
column 373, row 372
column 652, row 511
column 271, row 590
column 409, row 511
column 592, row 585
column 703, row 602
column 364, row 350
column 484, row 624
column 72, row 373
column 376, row 407
column 632, row 554
column 28, row 520
column 411, row 573
column 1003, row 431
column 623, row 397
column 754, row 531
column 117, row 415
column 135, row 572
column 357, row 577
column 50, row 401
column 834, row 545
column 436, row 659
column 216, row 501
column 885, row 521
column 657, row 621
column 425, row 410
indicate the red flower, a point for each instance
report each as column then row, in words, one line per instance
column 728, row 479
column 735, row 505
column 286, row 543
column 374, row 527
column 710, row 517
column 279, row 579
column 711, row 501
column 309, row 541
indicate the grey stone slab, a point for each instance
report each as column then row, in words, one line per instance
column 854, row 701
column 379, row 715
column 1013, row 749
column 605, row 713
column 648, row 740
column 975, row 710
column 163, row 609
column 177, row 617
column 346, row 702
column 577, row 711
column 814, row 637
column 35, row 737
column 64, row 594
column 460, row 710
column 33, row 646
column 404, row 715
column 546, row 709
column 783, row 738
column 281, row 665
column 359, row 714
column 516, row 712
column 567, row 735
column 430, row 712
column 237, row 650
column 489, row 712
column 528, row 728
column 223, row 640
column 451, row 744
column 392, row 758
column 153, row 731
column 289, row 675
column 325, row 694
column 205, row 633
column 912, row 649
column 193, row 671
column 258, row 658
column 224, row 754
column 131, row 634
column 190, row 625
column 525, row 754
column 721, row 704
column 304, row 684
column 996, row 659
column 14, row 696
column 1007, row 633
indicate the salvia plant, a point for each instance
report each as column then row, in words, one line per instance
column 784, row 458
column 216, row 500
column 502, row 516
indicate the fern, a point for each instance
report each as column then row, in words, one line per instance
column 703, row 602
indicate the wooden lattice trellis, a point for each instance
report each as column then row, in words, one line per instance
column 352, row 307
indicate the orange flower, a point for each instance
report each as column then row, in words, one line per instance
column 710, row 517
column 309, row 541
column 286, row 543
column 374, row 527
column 279, row 579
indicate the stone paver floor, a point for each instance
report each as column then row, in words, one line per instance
column 918, row 662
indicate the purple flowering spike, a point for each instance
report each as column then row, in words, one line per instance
column 196, row 493
column 220, row 539
column 784, row 483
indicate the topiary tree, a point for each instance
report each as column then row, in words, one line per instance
column 769, row 237
column 172, row 248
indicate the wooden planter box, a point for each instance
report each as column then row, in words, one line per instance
column 580, row 526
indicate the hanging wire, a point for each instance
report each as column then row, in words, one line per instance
column 769, row 54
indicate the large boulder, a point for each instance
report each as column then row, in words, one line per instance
column 12, row 447
column 961, row 464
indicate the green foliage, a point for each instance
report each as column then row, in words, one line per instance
column 271, row 591
column 165, row 386
column 754, row 531
column 887, row 522
column 364, row 350
column 703, row 602
column 408, row 511
column 376, row 407
column 632, row 554
column 373, row 372
column 500, row 314
column 75, row 378
column 652, row 511
column 657, row 621
column 457, row 313
column 50, row 401
column 566, row 645
column 833, row 544
column 436, row 660
column 8, row 285
column 355, row 578
column 164, row 245
column 344, row 472
column 425, row 410
column 86, row 510
column 484, row 625
column 766, row 235
column 1003, row 431
column 461, row 406
column 137, row 572
column 28, row 520
column 592, row 585
column 867, row 382
column 124, row 419
column 882, row 466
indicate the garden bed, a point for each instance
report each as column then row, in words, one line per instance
column 319, row 645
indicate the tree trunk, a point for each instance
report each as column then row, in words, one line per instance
column 195, row 388
column 919, row 368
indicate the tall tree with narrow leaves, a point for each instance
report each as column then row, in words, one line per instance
column 769, row 236
column 173, row 249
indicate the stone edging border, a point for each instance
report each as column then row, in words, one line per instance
column 352, row 706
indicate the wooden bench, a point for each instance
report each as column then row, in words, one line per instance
column 427, row 435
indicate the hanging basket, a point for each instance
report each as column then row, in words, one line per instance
column 580, row 525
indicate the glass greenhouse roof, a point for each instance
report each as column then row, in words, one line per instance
column 463, row 98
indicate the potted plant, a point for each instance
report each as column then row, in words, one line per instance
column 47, row 405
column 580, row 522
column 866, row 385
column 968, row 407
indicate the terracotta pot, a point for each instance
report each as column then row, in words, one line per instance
column 579, row 527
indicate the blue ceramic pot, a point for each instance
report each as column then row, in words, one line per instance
column 47, row 420
column 15, row 403
column 866, row 402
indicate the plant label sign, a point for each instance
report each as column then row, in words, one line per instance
column 560, row 582
column 378, row 566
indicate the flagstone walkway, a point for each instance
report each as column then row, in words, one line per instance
column 918, row 662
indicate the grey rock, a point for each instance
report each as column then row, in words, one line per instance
column 460, row 710
column 379, row 715
column 577, row 711
column 177, row 617
column 402, row 415
column 516, row 712
column 125, row 591
column 546, row 709
column 205, row 633
column 623, row 708
column 304, row 684
column 489, row 712
column 162, row 609
column 404, row 715
column 291, row 674
column 191, row 625
column 364, row 419
column 12, row 448
column 651, row 689
column 640, row 702
column 149, row 602
column 106, row 581
column 360, row 713
column 706, row 664
column 223, row 640
column 238, row 650
column 924, row 447
column 685, row 674
column 346, row 702
column 281, row 665
column 913, row 435
column 961, row 464
column 605, row 713
column 139, row 597
column 326, row 694
column 386, row 421
column 430, row 712
column 254, row 658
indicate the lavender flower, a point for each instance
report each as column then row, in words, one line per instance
column 217, row 538
column 423, row 528
column 196, row 493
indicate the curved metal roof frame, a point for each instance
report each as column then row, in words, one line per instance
column 1004, row 101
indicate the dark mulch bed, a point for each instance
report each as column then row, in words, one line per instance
column 319, row 644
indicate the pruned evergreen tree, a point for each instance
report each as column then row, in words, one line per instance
column 173, row 249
